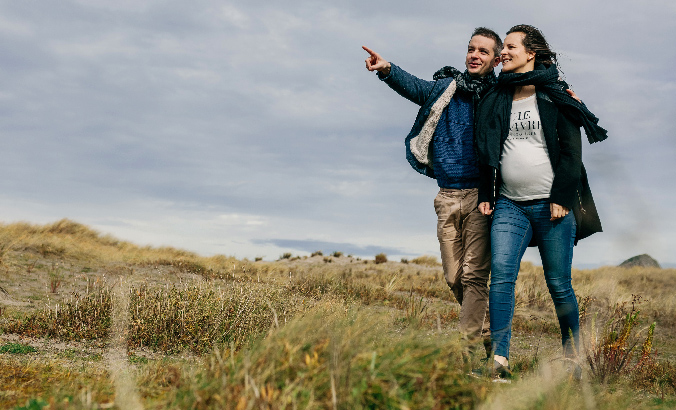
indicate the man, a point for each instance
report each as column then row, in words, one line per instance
column 441, row 146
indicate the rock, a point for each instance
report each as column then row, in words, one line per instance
column 645, row 261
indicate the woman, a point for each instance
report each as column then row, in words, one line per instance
column 529, row 145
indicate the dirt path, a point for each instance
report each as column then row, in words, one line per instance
column 126, row 393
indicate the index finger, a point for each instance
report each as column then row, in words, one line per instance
column 368, row 50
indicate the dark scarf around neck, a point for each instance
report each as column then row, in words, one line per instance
column 476, row 86
column 494, row 111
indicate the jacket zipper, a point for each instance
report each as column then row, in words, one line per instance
column 495, row 187
column 579, row 197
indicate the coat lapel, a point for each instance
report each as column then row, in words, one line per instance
column 547, row 109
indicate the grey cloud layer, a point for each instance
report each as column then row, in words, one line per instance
column 265, row 110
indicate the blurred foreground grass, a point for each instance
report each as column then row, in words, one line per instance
column 320, row 332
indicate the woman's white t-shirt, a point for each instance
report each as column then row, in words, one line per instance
column 524, row 165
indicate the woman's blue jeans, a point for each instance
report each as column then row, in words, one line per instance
column 514, row 225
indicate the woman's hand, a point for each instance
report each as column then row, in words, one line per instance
column 485, row 208
column 572, row 94
column 557, row 211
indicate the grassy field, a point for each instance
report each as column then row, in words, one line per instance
column 89, row 322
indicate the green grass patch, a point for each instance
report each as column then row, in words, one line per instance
column 137, row 359
column 17, row 348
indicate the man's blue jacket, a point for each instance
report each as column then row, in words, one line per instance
column 425, row 94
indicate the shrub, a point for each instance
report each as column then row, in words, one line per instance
column 611, row 352
column 655, row 377
column 82, row 317
column 286, row 255
column 54, row 278
column 343, row 285
column 337, row 254
column 317, row 253
column 426, row 260
column 54, row 283
column 200, row 317
column 381, row 258
column 184, row 265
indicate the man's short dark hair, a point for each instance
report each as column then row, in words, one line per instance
column 486, row 32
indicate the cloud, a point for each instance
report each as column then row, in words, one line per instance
column 218, row 126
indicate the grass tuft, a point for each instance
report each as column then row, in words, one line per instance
column 381, row 258
column 17, row 348
column 31, row 384
column 349, row 360
column 83, row 317
column 426, row 260
column 197, row 318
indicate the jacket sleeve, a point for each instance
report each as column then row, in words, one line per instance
column 569, row 167
column 407, row 85
column 486, row 184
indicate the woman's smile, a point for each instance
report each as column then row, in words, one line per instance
column 514, row 56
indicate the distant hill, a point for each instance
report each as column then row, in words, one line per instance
column 645, row 261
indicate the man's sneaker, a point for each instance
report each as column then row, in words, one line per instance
column 488, row 346
column 498, row 372
column 472, row 350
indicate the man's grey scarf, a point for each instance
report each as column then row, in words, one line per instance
column 476, row 86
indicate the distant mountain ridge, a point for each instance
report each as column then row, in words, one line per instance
column 643, row 260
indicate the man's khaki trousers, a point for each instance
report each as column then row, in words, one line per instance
column 464, row 238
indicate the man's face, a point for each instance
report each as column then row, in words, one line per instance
column 481, row 58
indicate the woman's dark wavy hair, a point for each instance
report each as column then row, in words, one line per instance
column 534, row 41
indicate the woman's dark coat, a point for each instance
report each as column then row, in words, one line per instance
column 570, row 187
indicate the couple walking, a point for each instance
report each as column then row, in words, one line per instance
column 506, row 154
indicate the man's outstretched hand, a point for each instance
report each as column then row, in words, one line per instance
column 375, row 62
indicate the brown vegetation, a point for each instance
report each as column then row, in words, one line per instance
column 217, row 332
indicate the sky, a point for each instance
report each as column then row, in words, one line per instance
column 252, row 129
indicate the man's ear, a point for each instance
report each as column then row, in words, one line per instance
column 496, row 61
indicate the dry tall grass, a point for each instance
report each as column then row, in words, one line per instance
column 217, row 332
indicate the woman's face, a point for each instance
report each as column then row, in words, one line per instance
column 514, row 57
